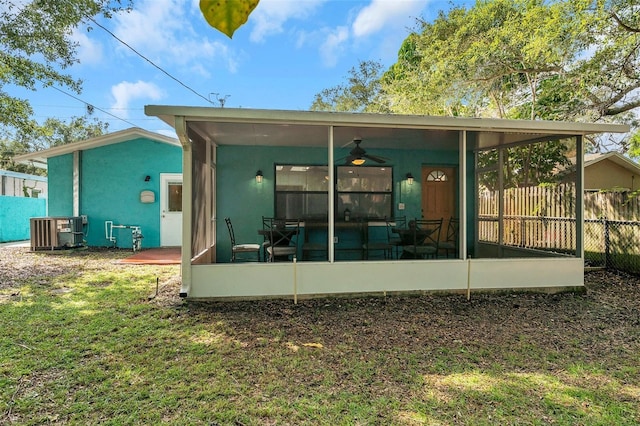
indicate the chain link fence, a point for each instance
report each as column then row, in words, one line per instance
column 611, row 244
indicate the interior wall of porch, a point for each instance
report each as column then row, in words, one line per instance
column 245, row 201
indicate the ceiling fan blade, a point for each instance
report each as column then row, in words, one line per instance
column 375, row 158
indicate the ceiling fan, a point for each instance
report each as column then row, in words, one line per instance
column 357, row 156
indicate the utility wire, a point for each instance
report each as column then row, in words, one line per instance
column 92, row 106
column 148, row 60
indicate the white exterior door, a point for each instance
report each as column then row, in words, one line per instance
column 170, row 209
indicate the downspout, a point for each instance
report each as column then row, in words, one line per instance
column 187, row 185
column 77, row 190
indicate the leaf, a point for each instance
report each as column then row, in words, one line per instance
column 227, row 15
column 313, row 345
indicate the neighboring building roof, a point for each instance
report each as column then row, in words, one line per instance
column 19, row 175
column 39, row 158
column 616, row 157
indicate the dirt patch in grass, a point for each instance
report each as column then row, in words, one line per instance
column 19, row 265
column 598, row 319
column 610, row 303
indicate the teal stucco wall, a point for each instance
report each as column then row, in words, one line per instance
column 111, row 179
column 245, row 201
column 60, row 176
column 15, row 214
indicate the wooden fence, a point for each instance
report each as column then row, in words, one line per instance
column 559, row 201
column 534, row 217
column 544, row 218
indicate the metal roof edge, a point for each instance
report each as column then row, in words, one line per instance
column 20, row 175
column 166, row 112
column 102, row 140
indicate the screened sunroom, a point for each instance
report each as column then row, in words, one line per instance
column 326, row 203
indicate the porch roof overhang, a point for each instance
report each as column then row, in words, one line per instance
column 256, row 127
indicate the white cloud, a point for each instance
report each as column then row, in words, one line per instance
column 125, row 92
column 333, row 46
column 383, row 13
column 163, row 31
column 89, row 50
column 269, row 16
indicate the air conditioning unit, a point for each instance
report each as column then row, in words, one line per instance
column 50, row 233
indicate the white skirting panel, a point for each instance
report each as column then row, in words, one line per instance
column 258, row 280
column 526, row 273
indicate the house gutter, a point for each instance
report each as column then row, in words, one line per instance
column 187, row 184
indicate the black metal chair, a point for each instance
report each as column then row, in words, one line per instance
column 377, row 244
column 393, row 225
column 266, row 222
column 425, row 239
column 283, row 239
column 239, row 251
column 314, row 246
column 451, row 242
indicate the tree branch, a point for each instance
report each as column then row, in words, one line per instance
column 623, row 108
column 623, row 25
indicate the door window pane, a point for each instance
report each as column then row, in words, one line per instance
column 175, row 197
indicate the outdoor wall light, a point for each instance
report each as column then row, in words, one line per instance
column 147, row 178
column 259, row 176
column 409, row 178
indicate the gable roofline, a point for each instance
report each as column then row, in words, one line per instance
column 39, row 158
column 615, row 157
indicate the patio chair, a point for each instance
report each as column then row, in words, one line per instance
column 451, row 242
column 314, row 246
column 266, row 221
column 283, row 239
column 240, row 251
column 377, row 244
column 393, row 225
column 424, row 239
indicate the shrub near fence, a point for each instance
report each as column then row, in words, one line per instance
column 543, row 218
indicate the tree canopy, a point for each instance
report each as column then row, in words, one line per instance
column 361, row 93
column 37, row 48
column 574, row 60
column 53, row 132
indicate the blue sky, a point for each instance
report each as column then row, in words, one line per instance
column 288, row 51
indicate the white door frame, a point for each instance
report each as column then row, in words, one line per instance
column 170, row 222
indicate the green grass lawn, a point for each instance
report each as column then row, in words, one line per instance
column 82, row 343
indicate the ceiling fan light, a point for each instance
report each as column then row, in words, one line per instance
column 358, row 161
